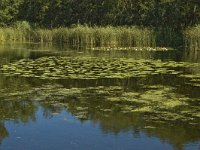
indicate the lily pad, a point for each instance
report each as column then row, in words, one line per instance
column 57, row 67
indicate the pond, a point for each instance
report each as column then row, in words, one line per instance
column 54, row 97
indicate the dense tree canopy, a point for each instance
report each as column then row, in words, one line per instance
column 9, row 10
column 176, row 14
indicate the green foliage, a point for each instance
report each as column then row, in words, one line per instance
column 166, row 18
column 22, row 25
column 9, row 10
column 176, row 14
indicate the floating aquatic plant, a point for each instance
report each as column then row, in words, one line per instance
column 90, row 68
column 154, row 103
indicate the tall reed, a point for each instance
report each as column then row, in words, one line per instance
column 86, row 37
column 192, row 38
column 12, row 35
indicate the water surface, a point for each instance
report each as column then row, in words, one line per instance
column 155, row 111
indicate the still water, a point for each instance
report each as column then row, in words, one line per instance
column 157, row 109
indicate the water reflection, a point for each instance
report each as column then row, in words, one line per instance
column 3, row 132
column 192, row 56
column 21, row 98
column 20, row 104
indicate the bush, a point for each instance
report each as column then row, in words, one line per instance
column 22, row 25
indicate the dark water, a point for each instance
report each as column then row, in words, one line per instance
column 76, row 114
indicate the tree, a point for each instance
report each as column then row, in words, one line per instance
column 176, row 14
column 33, row 11
column 8, row 11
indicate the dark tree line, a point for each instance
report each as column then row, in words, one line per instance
column 176, row 14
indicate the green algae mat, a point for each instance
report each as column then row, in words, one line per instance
column 153, row 103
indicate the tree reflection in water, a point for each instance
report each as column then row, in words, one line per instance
column 20, row 105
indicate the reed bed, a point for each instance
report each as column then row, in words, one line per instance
column 12, row 35
column 89, row 37
column 192, row 38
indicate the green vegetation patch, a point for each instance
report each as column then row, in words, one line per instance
column 153, row 103
column 194, row 79
column 90, row 68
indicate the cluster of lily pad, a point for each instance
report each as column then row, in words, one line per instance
column 57, row 67
column 132, row 48
column 194, row 79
